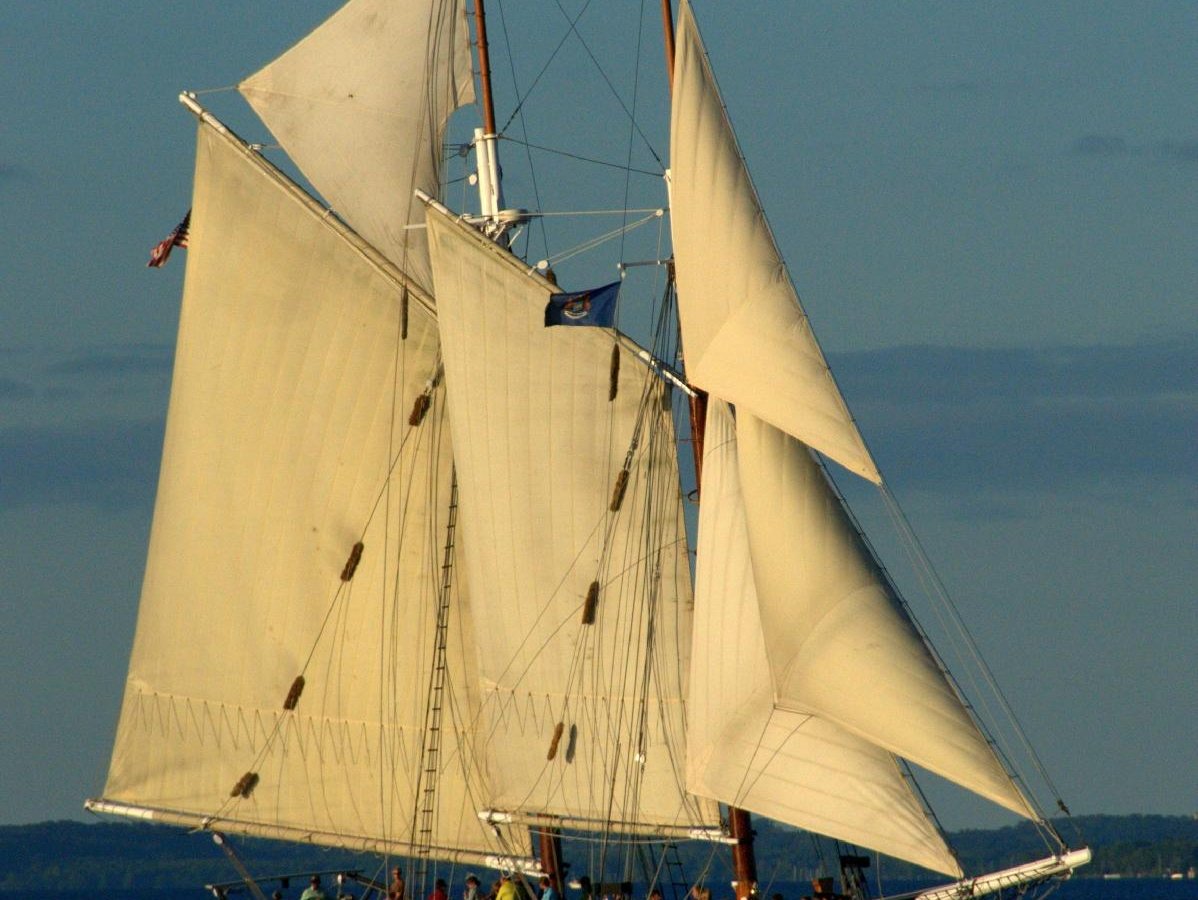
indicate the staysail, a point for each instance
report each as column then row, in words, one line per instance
column 360, row 105
column 837, row 640
column 746, row 748
column 541, row 444
column 735, row 297
column 287, row 443
column 832, row 677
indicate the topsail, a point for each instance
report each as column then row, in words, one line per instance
column 365, row 126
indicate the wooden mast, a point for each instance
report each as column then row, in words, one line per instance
column 740, row 825
column 484, row 66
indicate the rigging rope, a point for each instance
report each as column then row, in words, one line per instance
column 922, row 562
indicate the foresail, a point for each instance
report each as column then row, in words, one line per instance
column 540, row 451
column 287, row 443
column 361, row 104
column 836, row 637
column 735, row 297
column 746, row 750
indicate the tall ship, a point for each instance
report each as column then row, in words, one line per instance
column 459, row 564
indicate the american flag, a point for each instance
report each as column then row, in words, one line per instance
column 177, row 238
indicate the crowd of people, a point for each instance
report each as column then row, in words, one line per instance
column 507, row 887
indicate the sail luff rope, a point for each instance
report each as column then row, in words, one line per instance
column 624, row 679
column 911, row 542
column 951, row 625
column 652, row 546
column 623, row 167
column 390, row 635
column 600, row 239
column 656, row 211
column 605, row 683
column 669, row 495
column 663, row 343
column 941, row 592
column 573, row 29
column 541, row 74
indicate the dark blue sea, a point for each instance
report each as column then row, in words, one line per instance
column 1077, row 889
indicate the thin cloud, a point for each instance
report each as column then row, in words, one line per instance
column 11, row 389
column 1100, row 145
column 962, row 86
column 1019, row 419
column 115, row 361
column 10, row 173
column 1105, row 146
column 1178, row 151
column 108, row 464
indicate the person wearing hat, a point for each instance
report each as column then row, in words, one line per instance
column 472, row 885
column 313, row 891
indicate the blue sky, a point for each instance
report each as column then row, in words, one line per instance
column 991, row 214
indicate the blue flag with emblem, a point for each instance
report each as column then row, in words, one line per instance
column 594, row 307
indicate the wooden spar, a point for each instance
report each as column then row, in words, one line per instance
column 667, row 25
column 484, row 66
column 744, row 859
column 698, row 406
column 551, row 856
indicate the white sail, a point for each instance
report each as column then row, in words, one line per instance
column 747, row 750
column 735, row 297
column 837, row 641
column 539, row 450
column 326, row 651
column 287, row 442
column 361, row 104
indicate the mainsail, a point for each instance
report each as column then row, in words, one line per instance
column 288, row 442
column 541, row 444
column 360, row 105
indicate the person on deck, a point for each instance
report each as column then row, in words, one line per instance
column 548, row 892
column 440, row 890
column 507, row 889
column 472, row 885
column 314, row 891
column 398, row 888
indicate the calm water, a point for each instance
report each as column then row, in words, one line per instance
column 1078, row 889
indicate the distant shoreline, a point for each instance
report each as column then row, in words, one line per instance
column 105, row 856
